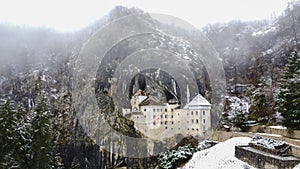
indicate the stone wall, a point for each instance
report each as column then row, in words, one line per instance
column 260, row 159
column 283, row 132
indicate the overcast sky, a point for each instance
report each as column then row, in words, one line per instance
column 70, row 15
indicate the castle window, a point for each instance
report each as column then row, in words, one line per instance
column 203, row 120
column 161, row 122
column 193, row 129
column 166, row 127
column 154, row 123
column 203, row 113
column 196, row 112
column 166, row 116
column 172, row 122
column 161, row 116
column 187, row 114
column 192, row 113
column 166, row 122
column 157, row 110
column 172, row 110
column 172, row 116
column 197, row 129
column 145, row 109
column 178, row 128
column 197, row 121
column 161, row 110
column 166, row 110
column 192, row 120
column 188, row 129
column 154, row 116
column 153, row 110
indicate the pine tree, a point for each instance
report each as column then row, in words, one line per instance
column 289, row 96
column 41, row 137
column 22, row 138
column 7, row 135
column 259, row 104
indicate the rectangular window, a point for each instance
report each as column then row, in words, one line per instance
column 203, row 121
column 203, row 113
column 166, row 122
column 157, row 110
column 192, row 113
column 154, row 123
column 196, row 112
column 153, row 110
column 161, row 122
column 161, row 116
column 197, row 121
column 166, row 116
column 154, row 116
column 192, row 120
column 172, row 116
column 172, row 122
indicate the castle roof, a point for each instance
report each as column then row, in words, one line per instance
column 199, row 100
column 150, row 101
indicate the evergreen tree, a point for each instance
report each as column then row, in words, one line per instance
column 41, row 137
column 22, row 138
column 259, row 103
column 7, row 135
column 15, row 137
column 289, row 96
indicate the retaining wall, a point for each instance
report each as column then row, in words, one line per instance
column 264, row 160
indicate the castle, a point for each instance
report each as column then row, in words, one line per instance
column 161, row 120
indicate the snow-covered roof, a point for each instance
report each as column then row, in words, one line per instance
column 199, row 100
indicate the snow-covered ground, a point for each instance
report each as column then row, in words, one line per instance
column 267, row 134
column 220, row 156
column 278, row 127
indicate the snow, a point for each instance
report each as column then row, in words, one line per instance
column 297, row 166
column 277, row 127
column 267, row 134
column 267, row 142
column 237, row 106
column 219, row 156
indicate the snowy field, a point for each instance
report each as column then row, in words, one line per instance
column 221, row 156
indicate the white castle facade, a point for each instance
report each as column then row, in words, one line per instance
column 161, row 120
